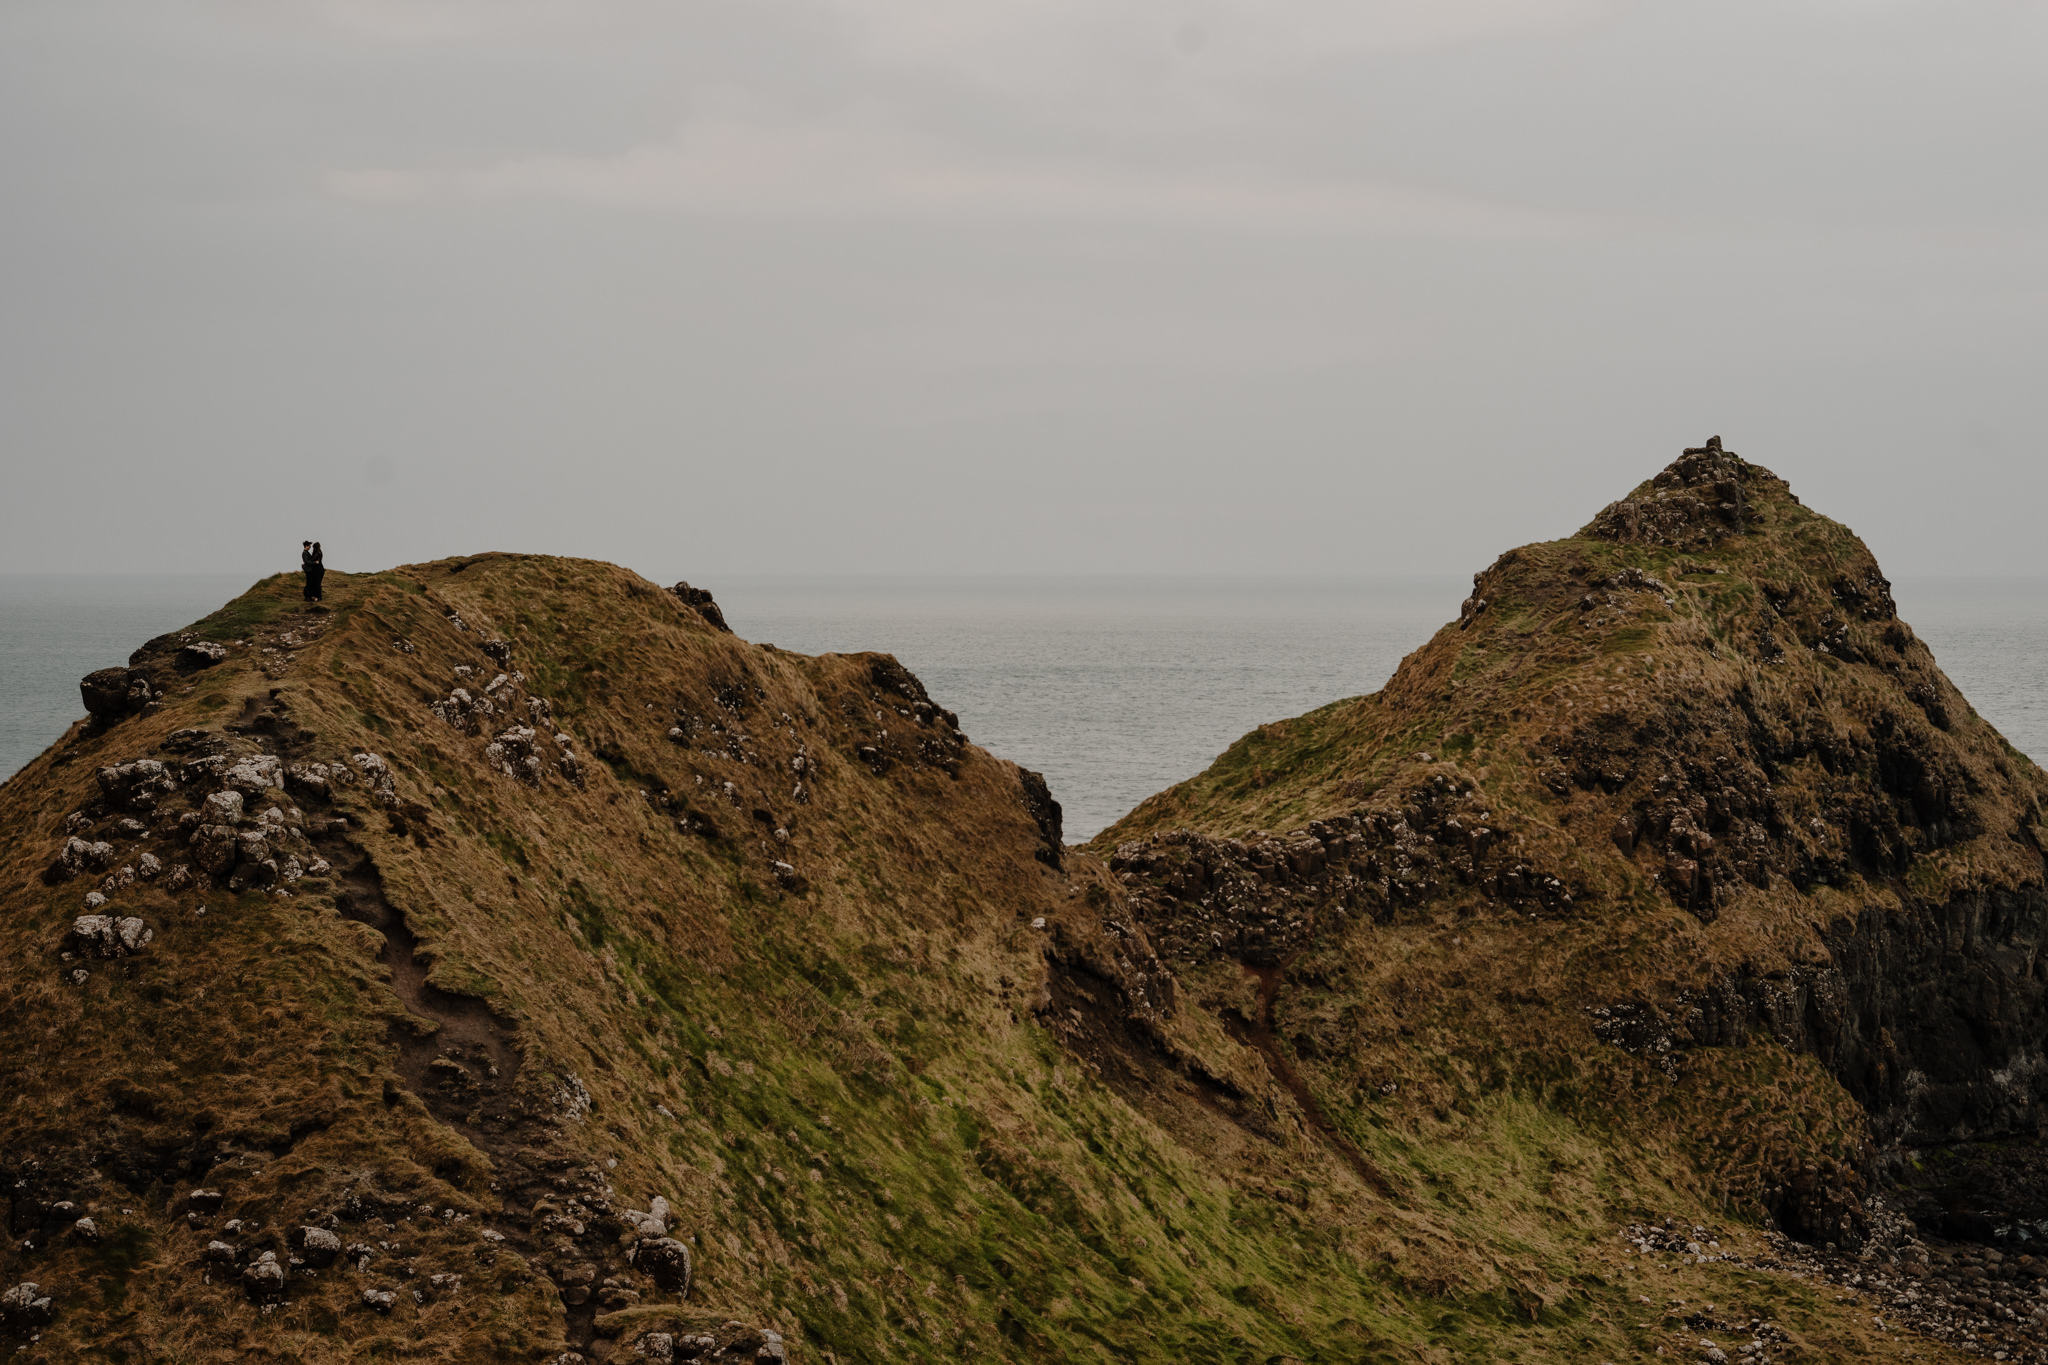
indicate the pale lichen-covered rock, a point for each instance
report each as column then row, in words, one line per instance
column 223, row 808
column 512, row 754
column 653, row 1223
column 379, row 1300
column 136, row 786
column 78, row 857
column 148, row 867
column 201, row 653
column 377, row 775
column 177, row 879
column 25, row 1306
column 255, row 776
column 316, row 1246
column 108, row 936
column 264, row 1278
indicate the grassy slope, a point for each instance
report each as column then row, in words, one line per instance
column 876, row 1144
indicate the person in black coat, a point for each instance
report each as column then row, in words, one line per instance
column 310, row 560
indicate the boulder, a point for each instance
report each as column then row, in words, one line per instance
column 107, row 936
column 223, row 808
column 85, row 1230
column 316, row 1246
column 148, row 867
column 666, row 1261
column 215, row 848
column 114, row 694
column 78, row 857
column 201, row 654
column 512, row 754
column 26, row 1307
column 136, row 786
column 256, row 775
column 264, row 1278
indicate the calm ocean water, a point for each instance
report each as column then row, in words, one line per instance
column 1113, row 688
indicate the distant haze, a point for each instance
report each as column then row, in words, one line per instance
column 1008, row 286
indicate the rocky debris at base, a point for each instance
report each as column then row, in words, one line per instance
column 106, row 936
column 25, row 1307
column 728, row 1344
column 1976, row 1299
column 377, row 773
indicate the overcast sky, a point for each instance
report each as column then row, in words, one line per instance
column 1008, row 286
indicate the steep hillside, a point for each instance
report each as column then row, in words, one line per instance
column 506, row 962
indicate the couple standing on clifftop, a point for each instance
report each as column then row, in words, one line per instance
column 315, row 567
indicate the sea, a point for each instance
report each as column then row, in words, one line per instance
column 1114, row 688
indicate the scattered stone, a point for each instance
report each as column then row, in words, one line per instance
column 78, row 857
column 94, row 900
column 403, row 645
column 218, row 1253
column 201, row 653
column 316, row 1246
column 789, row 878
column 653, row 1223
column 25, row 1306
column 148, row 867
column 377, row 773
column 380, row 1300
column 658, row 1346
column 204, row 1201
column 264, row 1278
column 85, row 1230
column 511, row 753
column 106, row 936
column 222, row 808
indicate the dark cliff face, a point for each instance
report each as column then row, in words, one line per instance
column 1708, row 794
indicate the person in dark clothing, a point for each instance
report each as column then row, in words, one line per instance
column 310, row 560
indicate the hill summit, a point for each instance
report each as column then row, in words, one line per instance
column 505, row 961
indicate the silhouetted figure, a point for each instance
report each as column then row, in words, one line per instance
column 310, row 560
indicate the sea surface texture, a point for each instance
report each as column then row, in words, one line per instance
column 1113, row 688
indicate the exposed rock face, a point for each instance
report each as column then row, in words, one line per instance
column 699, row 601
column 1706, row 699
column 114, row 694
